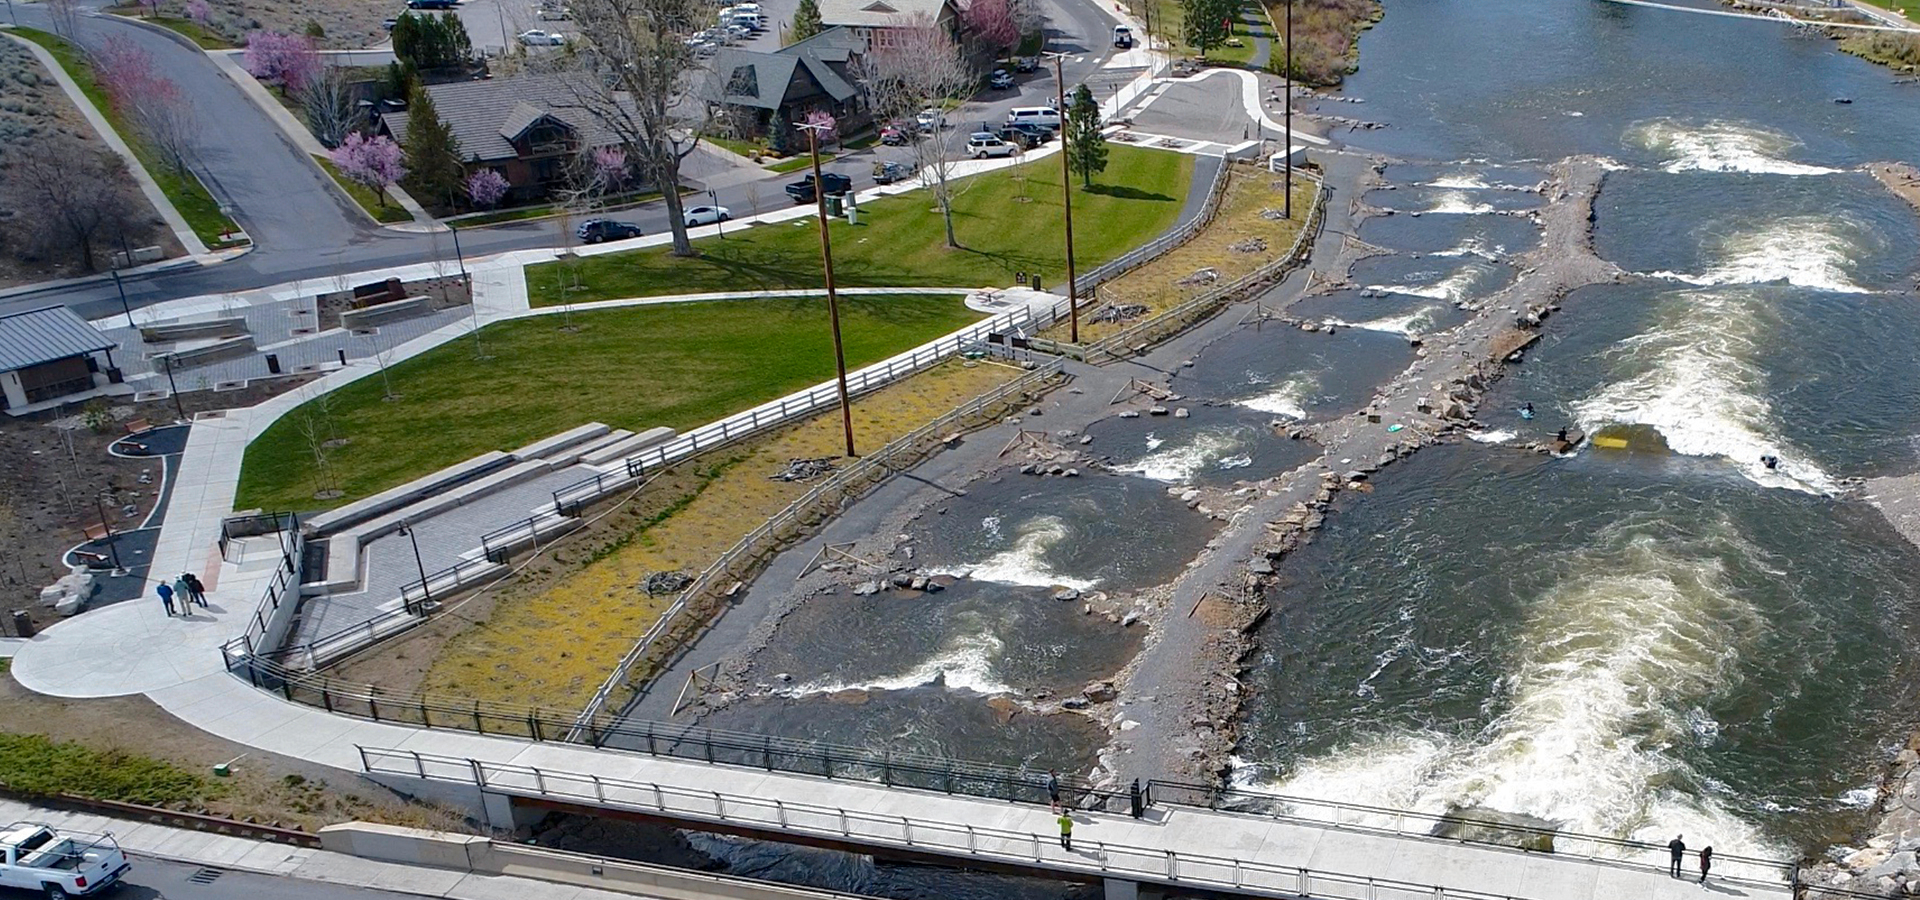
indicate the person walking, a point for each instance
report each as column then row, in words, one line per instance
column 1066, row 832
column 166, row 596
column 185, row 593
column 1706, row 862
column 1053, row 789
column 198, row 590
column 1679, row 849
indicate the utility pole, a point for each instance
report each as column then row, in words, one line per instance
column 1066, row 201
column 173, row 390
column 826, row 263
column 1286, row 148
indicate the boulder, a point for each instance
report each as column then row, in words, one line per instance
column 1066, row 594
column 1101, row 692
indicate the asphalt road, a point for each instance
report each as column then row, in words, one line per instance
column 304, row 229
column 152, row 879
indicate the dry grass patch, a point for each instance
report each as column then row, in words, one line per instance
column 1227, row 245
column 553, row 646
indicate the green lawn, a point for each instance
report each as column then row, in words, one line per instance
column 744, row 148
column 900, row 241
column 206, row 38
column 370, row 201
column 680, row 365
column 32, row 764
column 794, row 165
column 1908, row 8
column 186, row 192
column 541, row 211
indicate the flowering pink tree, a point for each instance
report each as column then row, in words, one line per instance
column 140, row 94
column 609, row 168
column 992, row 22
column 824, row 121
column 199, row 11
column 372, row 161
column 486, row 188
column 288, row 60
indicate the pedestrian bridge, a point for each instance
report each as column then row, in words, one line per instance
column 1265, row 846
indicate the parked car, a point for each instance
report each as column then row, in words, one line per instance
column 593, row 231
column 1123, row 37
column 982, row 144
column 389, row 23
column 1033, row 134
column 538, row 38
column 802, row 191
column 891, row 170
column 1000, row 80
column 892, row 136
column 1026, row 63
column 429, row 4
column 1019, row 137
column 707, row 215
column 36, row 858
column 931, row 119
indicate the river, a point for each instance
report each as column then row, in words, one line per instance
column 1674, row 637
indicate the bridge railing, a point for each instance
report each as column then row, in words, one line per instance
column 961, row 841
column 1464, row 829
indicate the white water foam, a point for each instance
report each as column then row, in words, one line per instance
column 1418, row 322
column 1804, row 251
column 1699, row 385
column 1025, row 562
column 1210, row 448
column 1453, row 288
column 1720, row 146
column 1472, row 246
column 1288, row 398
column 964, row 663
column 1456, row 202
column 1468, row 182
column 1496, row 436
column 1640, row 629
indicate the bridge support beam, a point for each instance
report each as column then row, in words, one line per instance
column 502, row 814
column 1122, row 889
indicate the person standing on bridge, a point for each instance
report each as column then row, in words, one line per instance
column 1066, row 832
column 1706, row 862
column 1053, row 789
column 1679, row 848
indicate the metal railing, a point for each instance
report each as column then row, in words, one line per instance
column 250, row 526
column 326, row 648
column 963, row 842
column 865, row 472
column 1458, row 828
column 1122, row 344
column 283, row 588
column 457, row 577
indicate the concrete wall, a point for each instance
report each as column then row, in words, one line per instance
column 483, row 856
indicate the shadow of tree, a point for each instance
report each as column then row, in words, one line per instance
column 1123, row 192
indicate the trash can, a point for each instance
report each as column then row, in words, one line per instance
column 273, row 363
column 22, row 624
column 834, row 202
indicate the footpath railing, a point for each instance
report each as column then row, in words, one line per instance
column 1126, row 342
column 1465, row 829
column 274, row 611
column 816, row 504
column 963, row 842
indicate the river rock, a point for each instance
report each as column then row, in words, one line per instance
column 1130, row 414
column 1893, row 865
column 1128, row 620
column 1101, row 692
column 1157, row 411
column 1066, row 594
column 1003, row 709
column 1074, row 703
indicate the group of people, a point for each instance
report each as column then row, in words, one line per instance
column 1679, row 849
column 188, row 589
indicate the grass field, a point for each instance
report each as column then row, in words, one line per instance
column 1908, row 8
column 365, row 196
column 680, row 365
column 901, row 241
column 186, row 192
column 32, row 764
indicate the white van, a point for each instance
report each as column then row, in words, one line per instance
column 1035, row 115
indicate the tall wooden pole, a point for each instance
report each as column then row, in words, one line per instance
column 1066, row 203
column 833, row 300
column 1287, row 143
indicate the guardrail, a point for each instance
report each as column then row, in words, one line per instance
column 462, row 574
column 863, row 473
column 1124, row 343
column 1458, row 829
column 960, row 841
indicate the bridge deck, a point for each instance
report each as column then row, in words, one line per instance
column 1260, row 855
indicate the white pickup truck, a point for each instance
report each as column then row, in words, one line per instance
column 36, row 858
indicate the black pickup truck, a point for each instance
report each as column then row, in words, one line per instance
column 802, row 191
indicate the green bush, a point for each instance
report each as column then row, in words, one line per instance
column 33, row 764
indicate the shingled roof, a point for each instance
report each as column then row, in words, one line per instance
column 879, row 13
column 487, row 115
column 760, row 80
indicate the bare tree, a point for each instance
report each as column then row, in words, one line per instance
column 921, row 67
column 66, row 16
column 328, row 105
column 314, row 431
column 74, row 189
column 638, row 83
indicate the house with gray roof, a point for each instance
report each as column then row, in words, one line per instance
column 753, row 91
column 50, row 353
column 870, row 20
column 528, row 128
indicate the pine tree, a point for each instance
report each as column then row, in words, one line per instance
column 433, row 156
column 1206, row 23
column 806, row 20
column 1086, row 146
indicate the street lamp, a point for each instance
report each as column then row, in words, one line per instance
column 424, row 589
column 720, row 221
column 166, row 359
column 1286, row 149
column 1066, row 202
column 826, row 263
column 113, row 541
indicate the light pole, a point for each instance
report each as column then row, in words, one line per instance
column 1066, row 200
column 826, row 263
column 1286, row 148
column 720, row 221
column 457, row 255
column 424, row 589
column 173, row 390
column 113, row 541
